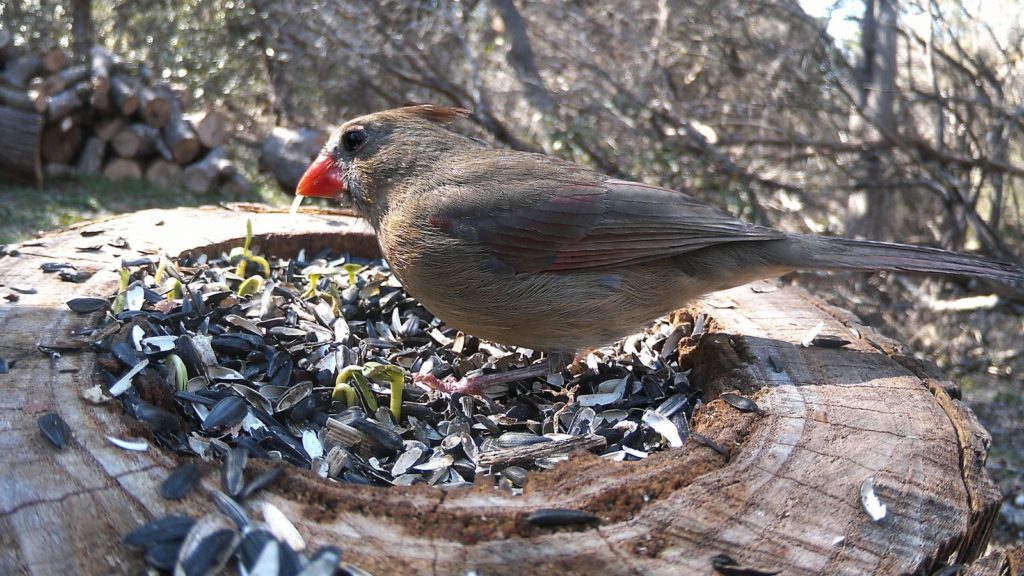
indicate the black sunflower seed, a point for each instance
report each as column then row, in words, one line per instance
column 741, row 403
column 157, row 417
column 226, row 413
column 163, row 556
column 324, row 562
column 824, row 341
column 54, row 429
column 166, row 529
column 210, row 553
column 231, row 508
column 252, row 544
column 51, row 267
column 517, row 439
column 724, row 564
column 87, row 304
column 233, row 470
column 261, row 481
column 388, row 439
column 180, row 481
column 549, row 517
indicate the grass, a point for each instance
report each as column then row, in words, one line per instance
column 26, row 212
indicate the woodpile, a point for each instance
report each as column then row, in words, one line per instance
column 106, row 116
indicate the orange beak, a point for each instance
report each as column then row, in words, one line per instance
column 322, row 179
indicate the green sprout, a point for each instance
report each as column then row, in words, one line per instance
column 362, row 385
column 394, row 375
column 250, row 285
column 178, row 372
column 314, row 273
column 345, row 392
column 169, row 269
column 248, row 257
column 122, row 288
column 351, row 269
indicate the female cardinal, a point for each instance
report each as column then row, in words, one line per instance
column 530, row 250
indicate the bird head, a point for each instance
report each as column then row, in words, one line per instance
column 370, row 160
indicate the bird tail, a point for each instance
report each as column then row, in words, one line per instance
column 867, row 255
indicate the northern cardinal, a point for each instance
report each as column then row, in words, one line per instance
column 530, row 250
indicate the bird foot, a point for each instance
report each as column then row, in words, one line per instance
column 475, row 385
column 450, row 384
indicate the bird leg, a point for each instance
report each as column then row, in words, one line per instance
column 475, row 385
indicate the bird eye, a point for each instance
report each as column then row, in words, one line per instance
column 353, row 139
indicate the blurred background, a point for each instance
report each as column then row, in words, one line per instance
column 873, row 118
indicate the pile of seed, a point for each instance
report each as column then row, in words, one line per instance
column 296, row 360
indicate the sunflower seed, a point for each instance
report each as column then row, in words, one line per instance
column 551, row 517
column 870, row 501
column 282, row 528
column 125, row 381
column 133, row 445
column 54, row 429
column 262, row 480
column 663, row 426
column 180, row 481
column 232, row 472
column 163, row 556
column 167, row 529
column 741, row 403
column 226, row 413
column 231, row 509
column 324, row 563
column 207, row 547
column 825, row 341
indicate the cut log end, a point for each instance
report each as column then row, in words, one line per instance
column 831, row 418
column 122, row 169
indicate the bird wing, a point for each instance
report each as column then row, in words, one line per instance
column 591, row 226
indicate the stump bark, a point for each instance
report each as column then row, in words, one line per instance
column 786, row 498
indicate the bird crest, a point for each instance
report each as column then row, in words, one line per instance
column 442, row 115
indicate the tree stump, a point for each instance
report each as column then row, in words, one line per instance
column 786, row 497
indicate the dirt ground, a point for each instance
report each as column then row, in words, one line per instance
column 976, row 339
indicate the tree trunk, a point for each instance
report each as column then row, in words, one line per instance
column 21, row 133
column 82, row 31
column 6, row 45
column 871, row 207
column 787, row 497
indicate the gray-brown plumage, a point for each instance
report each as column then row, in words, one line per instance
column 529, row 250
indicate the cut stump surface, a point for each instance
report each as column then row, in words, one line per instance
column 786, row 498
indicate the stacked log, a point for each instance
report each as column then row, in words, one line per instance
column 106, row 116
